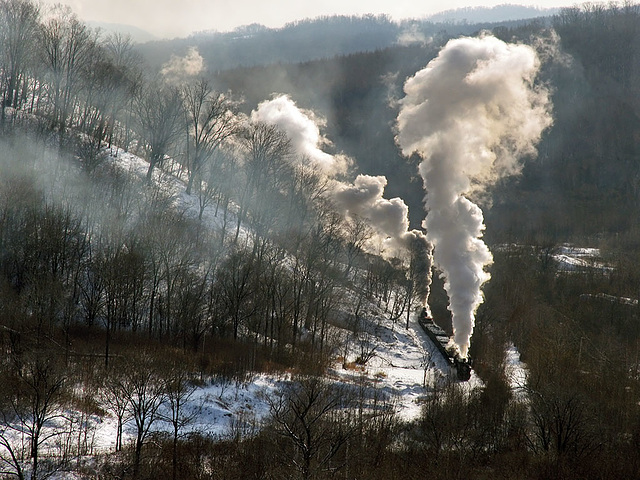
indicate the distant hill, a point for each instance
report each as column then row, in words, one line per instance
column 312, row 39
column 499, row 13
column 137, row 34
column 301, row 41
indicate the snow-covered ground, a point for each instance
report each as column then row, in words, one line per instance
column 174, row 187
column 516, row 371
column 611, row 298
column 219, row 409
column 405, row 366
column 570, row 259
column 404, row 361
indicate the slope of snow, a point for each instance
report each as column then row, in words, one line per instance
column 570, row 259
column 405, row 365
column 516, row 371
column 174, row 186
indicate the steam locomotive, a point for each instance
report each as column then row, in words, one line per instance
column 441, row 340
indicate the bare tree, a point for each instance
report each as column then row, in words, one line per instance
column 305, row 197
column 142, row 387
column 19, row 23
column 33, row 393
column 210, row 121
column 358, row 232
column 319, row 254
column 218, row 183
column 179, row 390
column 309, row 417
column 10, row 451
column 159, row 121
column 236, row 288
column 121, row 274
column 445, row 423
column 52, row 253
column 560, row 423
column 278, row 293
column 106, row 86
column 116, row 401
column 121, row 54
column 266, row 148
column 67, row 48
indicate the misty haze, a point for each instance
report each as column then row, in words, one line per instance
column 354, row 245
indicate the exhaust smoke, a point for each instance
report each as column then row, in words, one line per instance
column 471, row 114
column 364, row 198
column 389, row 218
column 179, row 69
column 303, row 129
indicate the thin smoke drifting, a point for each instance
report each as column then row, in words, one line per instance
column 363, row 198
column 179, row 69
column 471, row 114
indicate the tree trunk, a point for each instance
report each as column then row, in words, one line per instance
column 190, row 183
column 107, row 344
column 138, row 455
column 175, row 453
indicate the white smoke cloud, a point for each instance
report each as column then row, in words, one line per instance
column 389, row 219
column 303, row 129
column 471, row 114
column 412, row 35
column 178, row 69
column 364, row 198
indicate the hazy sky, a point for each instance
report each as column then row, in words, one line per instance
column 169, row 18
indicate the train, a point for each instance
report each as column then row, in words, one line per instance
column 462, row 366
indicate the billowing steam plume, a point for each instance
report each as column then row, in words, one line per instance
column 388, row 219
column 471, row 114
column 178, row 69
column 302, row 128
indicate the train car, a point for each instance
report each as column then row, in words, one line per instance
column 441, row 340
